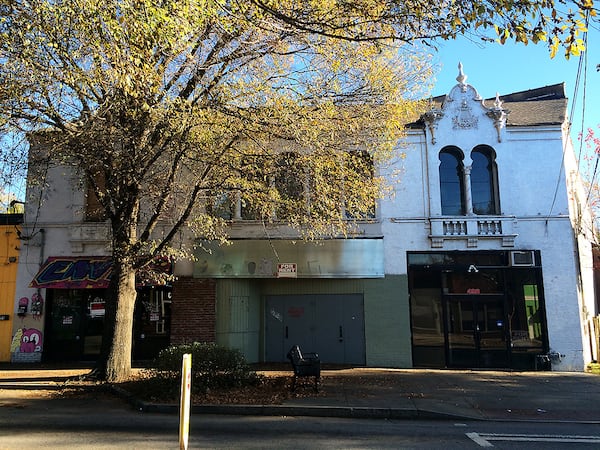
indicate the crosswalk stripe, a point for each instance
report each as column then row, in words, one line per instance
column 482, row 442
column 483, row 439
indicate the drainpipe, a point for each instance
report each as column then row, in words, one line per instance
column 42, row 245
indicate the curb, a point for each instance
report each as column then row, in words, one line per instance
column 48, row 386
column 290, row 410
column 305, row 411
column 354, row 412
column 319, row 411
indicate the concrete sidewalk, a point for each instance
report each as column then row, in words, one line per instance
column 498, row 395
column 399, row 393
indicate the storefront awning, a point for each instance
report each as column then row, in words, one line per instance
column 92, row 272
column 64, row 272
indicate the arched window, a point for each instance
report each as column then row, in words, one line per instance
column 484, row 181
column 359, row 170
column 452, row 181
column 290, row 183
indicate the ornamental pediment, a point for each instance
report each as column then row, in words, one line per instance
column 464, row 109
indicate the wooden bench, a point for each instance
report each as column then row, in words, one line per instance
column 305, row 365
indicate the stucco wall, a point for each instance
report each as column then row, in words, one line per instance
column 387, row 322
column 9, row 251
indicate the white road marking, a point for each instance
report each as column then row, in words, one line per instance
column 483, row 439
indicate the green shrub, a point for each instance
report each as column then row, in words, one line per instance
column 213, row 366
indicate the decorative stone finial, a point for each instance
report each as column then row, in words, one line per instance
column 431, row 118
column 498, row 114
column 461, row 78
column 498, row 102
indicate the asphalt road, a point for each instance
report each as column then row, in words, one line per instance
column 101, row 421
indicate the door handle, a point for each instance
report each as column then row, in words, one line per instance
column 286, row 332
column 477, row 333
column 341, row 335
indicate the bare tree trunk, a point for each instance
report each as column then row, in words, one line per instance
column 118, row 363
column 114, row 363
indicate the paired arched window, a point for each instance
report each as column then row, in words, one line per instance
column 469, row 190
column 452, row 185
column 484, row 181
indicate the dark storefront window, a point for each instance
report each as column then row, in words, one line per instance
column 465, row 282
column 465, row 259
column 525, row 317
column 427, row 318
column 75, row 323
column 152, row 322
column 474, row 309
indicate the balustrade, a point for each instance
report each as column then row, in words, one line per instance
column 472, row 229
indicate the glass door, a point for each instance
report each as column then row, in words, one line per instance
column 475, row 330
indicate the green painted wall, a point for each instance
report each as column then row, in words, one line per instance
column 311, row 286
column 239, row 316
column 240, row 313
column 387, row 322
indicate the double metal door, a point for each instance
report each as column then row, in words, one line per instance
column 331, row 325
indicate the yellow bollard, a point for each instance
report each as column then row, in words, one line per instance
column 184, row 404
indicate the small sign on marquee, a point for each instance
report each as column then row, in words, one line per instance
column 287, row 270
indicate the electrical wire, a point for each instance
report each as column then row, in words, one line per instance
column 582, row 64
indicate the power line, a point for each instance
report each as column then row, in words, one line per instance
column 582, row 64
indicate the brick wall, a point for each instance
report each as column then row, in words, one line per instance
column 193, row 312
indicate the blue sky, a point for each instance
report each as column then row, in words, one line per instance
column 512, row 67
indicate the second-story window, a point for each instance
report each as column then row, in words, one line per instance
column 290, row 181
column 452, row 186
column 469, row 189
column 94, row 211
column 360, row 170
column 290, row 184
column 484, row 181
column 252, row 200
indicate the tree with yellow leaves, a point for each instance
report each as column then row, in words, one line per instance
column 171, row 109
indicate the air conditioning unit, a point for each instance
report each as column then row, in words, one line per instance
column 525, row 258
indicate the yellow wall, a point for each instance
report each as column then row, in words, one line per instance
column 9, row 248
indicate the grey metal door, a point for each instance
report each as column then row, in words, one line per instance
column 331, row 325
column 339, row 331
column 289, row 321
